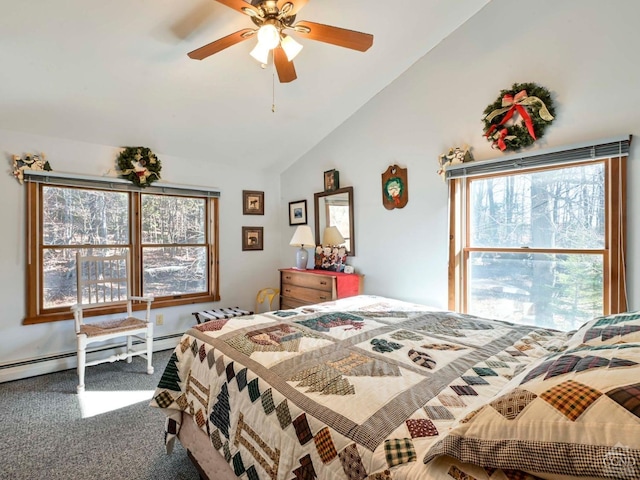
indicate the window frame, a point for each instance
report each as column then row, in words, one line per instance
column 35, row 311
column 141, row 245
column 614, row 281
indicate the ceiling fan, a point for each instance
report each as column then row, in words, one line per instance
column 272, row 18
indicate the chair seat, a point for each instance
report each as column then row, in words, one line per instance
column 111, row 326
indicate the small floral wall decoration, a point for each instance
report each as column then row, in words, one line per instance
column 139, row 165
column 29, row 162
column 454, row 156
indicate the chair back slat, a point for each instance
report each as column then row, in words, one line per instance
column 102, row 280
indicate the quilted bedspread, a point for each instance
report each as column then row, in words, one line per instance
column 353, row 389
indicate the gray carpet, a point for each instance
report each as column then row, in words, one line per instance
column 43, row 434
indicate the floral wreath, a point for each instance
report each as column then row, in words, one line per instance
column 139, row 165
column 534, row 105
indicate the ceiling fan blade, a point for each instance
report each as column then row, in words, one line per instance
column 241, row 6
column 221, row 44
column 297, row 5
column 286, row 70
column 334, row 35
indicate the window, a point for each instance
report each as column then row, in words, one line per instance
column 174, row 249
column 541, row 246
column 92, row 221
column 171, row 240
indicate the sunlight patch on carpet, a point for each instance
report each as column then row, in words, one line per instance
column 96, row 403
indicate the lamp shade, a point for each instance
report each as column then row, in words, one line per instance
column 260, row 53
column 332, row 236
column 303, row 237
column 268, row 36
column 290, row 46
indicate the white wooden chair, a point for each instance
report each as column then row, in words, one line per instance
column 104, row 282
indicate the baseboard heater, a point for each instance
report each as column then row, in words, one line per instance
column 66, row 361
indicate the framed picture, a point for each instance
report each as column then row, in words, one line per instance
column 252, row 238
column 331, row 180
column 395, row 188
column 252, row 202
column 298, row 212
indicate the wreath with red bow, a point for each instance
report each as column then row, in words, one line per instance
column 528, row 102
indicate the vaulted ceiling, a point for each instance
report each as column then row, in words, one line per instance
column 116, row 73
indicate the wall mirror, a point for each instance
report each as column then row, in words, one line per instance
column 336, row 209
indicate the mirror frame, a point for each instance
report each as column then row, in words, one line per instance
column 316, row 199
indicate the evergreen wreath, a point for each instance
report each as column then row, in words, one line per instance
column 139, row 165
column 534, row 105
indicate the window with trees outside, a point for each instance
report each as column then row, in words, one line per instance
column 541, row 246
column 171, row 241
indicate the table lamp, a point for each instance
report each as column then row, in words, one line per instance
column 303, row 238
column 332, row 237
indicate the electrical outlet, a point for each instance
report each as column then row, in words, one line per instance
column 159, row 319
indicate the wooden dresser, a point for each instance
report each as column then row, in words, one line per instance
column 304, row 287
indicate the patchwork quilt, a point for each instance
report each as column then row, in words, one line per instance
column 359, row 388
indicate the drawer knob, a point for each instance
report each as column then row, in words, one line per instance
column 322, row 297
column 287, row 290
column 287, row 277
column 323, row 282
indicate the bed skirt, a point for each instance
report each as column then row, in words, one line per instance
column 208, row 461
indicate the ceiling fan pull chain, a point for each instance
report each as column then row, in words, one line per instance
column 273, row 92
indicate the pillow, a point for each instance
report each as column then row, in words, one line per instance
column 607, row 330
column 571, row 414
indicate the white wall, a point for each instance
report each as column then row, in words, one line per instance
column 583, row 51
column 241, row 273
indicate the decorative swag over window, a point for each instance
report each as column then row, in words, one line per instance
column 170, row 232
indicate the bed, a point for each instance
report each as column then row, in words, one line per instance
column 374, row 388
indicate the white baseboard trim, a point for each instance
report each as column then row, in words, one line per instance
column 66, row 361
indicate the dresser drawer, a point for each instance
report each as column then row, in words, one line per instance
column 318, row 282
column 305, row 287
column 288, row 302
column 310, row 295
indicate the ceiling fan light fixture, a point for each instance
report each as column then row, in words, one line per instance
column 268, row 36
column 260, row 53
column 290, row 46
column 271, row 18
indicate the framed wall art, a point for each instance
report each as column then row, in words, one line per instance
column 331, row 180
column 252, row 202
column 395, row 188
column 298, row 212
column 252, row 238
